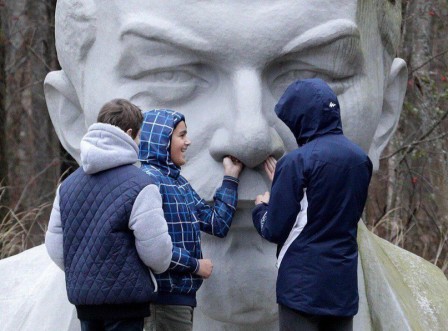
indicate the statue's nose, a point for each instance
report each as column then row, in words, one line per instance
column 248, row 136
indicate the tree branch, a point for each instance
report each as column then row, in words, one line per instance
column 427, row 61
column 409, row 147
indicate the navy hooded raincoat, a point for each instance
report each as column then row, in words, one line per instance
column 317, row 198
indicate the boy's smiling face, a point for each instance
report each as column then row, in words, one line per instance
column 179, row 144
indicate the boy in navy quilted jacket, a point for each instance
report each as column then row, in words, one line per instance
column 107, row 226
column 162, row 153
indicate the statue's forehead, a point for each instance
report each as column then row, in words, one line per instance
column 226, row 21
column 233, row 28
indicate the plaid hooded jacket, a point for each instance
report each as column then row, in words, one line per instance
column 185, row 212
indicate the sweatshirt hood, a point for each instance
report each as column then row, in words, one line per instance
column 310, row 109
column 155, row 140
column 106, row 146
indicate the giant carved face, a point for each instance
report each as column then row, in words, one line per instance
column 224, row 64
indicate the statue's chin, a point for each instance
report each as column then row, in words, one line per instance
column 241, row 289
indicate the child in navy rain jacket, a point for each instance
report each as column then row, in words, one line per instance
column 162, row 152
column 318, row 194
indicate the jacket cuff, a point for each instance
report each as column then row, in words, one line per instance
column 195, row 268
column 259, row 210
column 230, row 182
column 259, row 217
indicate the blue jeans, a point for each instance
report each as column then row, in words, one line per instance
column 134, row 324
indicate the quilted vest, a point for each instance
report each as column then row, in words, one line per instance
column 101, row 262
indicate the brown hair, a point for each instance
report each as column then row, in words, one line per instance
column 122, row 113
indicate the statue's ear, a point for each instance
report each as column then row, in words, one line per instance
column 392, row 106
column 65, row 111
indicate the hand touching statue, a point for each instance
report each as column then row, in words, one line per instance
column 232, row 166
column 269, row 167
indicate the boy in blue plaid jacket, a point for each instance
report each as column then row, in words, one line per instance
column 163, row 143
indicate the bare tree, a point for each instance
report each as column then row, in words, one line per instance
column 3, row 162
column 30, row 147
column 414, row 170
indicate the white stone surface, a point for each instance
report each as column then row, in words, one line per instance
column 33, row 295
column 223, row 64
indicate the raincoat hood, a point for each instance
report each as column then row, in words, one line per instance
column 155, row 140
column 310, row 109
column 106, row 146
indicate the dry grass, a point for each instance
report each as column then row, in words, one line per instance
column 19, row 230
column 432, row 242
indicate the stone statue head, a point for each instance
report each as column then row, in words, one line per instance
column 224, row 64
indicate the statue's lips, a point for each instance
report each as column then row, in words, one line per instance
column 242, row 219
column 252, row 183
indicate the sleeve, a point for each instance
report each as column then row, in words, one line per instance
column 183, row 262
column 259, row 214
column 216, row 220
column 274, row 221
column 147, row 221
column 54, row 235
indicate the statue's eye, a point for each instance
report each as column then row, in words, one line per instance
column 169, row 86
column 290, row 76
column 176, row 77
column 172, row 77
column 281, row 81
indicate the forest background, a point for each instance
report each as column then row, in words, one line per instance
column 408, row 198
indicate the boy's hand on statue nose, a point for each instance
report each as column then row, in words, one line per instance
column 262, row 198
column 269, row 167
column 205, row 268
column 232, row 166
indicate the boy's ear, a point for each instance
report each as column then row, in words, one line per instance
column 65, row 111
column 392, row 106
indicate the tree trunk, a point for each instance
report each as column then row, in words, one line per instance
column 3, row 161
column 31, row 145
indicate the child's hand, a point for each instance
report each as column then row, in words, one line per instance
column 232, row 166
column 205, row 268
column 269, row 167
column 262, row 198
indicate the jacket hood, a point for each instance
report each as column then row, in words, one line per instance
column 106, row 146
column 155, row 140
column 310, row 109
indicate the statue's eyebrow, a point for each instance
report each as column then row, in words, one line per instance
column 157, row 29
column 322, row 35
